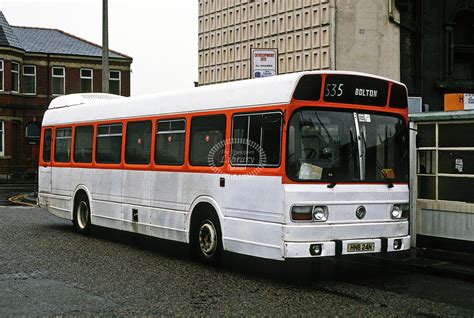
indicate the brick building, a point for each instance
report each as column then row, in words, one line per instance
column 36, row 65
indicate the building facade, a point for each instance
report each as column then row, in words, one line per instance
column 36, row 65
column 356, row 35
column 437, row 46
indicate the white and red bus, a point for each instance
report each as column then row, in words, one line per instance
column 303, row 165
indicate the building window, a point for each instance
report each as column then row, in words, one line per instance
column 114, row 82
column 62, row 145
column 138, row 144
column 86, row 81
column 83, row 139
column 445, row 166
column 2, row 139
column 1, row 75
column 32, row 131
column 58, row 80
column 15, row 77
column 109, row 143
column 170, row 140
column 29, row 79
column 464, row 46
column 207, row 141
column 256, row 140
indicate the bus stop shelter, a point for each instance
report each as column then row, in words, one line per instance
column 442, row 180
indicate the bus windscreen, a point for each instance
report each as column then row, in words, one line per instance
column 353, row 89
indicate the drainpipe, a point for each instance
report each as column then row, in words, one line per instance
column 48, row 79
column 332, row 47
column 105, row 46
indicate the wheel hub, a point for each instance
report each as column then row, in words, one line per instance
column 208, row 238
column 82, row 215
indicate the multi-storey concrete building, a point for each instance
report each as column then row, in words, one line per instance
column 358, row 35
column 36, row 65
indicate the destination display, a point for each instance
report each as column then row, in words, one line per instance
column 353, row 89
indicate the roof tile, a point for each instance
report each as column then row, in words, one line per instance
column 52, row 41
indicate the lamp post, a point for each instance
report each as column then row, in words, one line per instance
column 105, row 47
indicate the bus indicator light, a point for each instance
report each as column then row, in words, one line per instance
column 301, row 212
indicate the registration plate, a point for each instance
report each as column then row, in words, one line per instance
column 360, row 247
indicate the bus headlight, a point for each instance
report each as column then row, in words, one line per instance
column 400, row 211
column 320, row 214
column 309, row 213
column 396, row 212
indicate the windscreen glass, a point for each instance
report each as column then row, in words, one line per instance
column 338, row 146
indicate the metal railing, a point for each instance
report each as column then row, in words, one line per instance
column 18, row 173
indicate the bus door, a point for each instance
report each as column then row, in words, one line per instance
column 45, row 181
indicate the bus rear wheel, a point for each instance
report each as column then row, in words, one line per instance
column 82, row 214
column 207, row 238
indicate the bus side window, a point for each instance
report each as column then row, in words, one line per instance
column 109, row 143
column 170, row 142
column 62, row 145
column 47, row 145
column 138, row 143
column 256, row 140
column 207, row 141
column 83, row 139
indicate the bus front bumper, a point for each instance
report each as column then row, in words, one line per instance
column 346, row 247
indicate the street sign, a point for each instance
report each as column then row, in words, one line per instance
column 264, row 62
column 458, row 102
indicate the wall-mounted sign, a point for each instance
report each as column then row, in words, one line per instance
column 458, row 102
column 264, row 62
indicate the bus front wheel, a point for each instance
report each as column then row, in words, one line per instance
column 82, row 214
column 207, row 238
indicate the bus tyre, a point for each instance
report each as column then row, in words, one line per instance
column 82, row 214
column 207, row 238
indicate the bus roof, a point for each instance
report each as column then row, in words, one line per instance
column 276, row 90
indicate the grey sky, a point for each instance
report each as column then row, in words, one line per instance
column 160, row 35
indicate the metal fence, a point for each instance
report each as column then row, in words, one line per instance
column 18, row 173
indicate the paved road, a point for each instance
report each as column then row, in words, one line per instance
column 48, row 269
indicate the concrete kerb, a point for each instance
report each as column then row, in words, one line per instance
column 434, row 262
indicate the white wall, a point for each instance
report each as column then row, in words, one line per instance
column 366, row 40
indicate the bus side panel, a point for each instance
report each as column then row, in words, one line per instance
column 254, row 238
column 167, row 191
column 169, row 208
column 259, row 198
column 168, row 224
column 136, row 201
column 44, row 179
column 254, row 216
column 199, row 185
column 106, row 192
column 61, row 194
